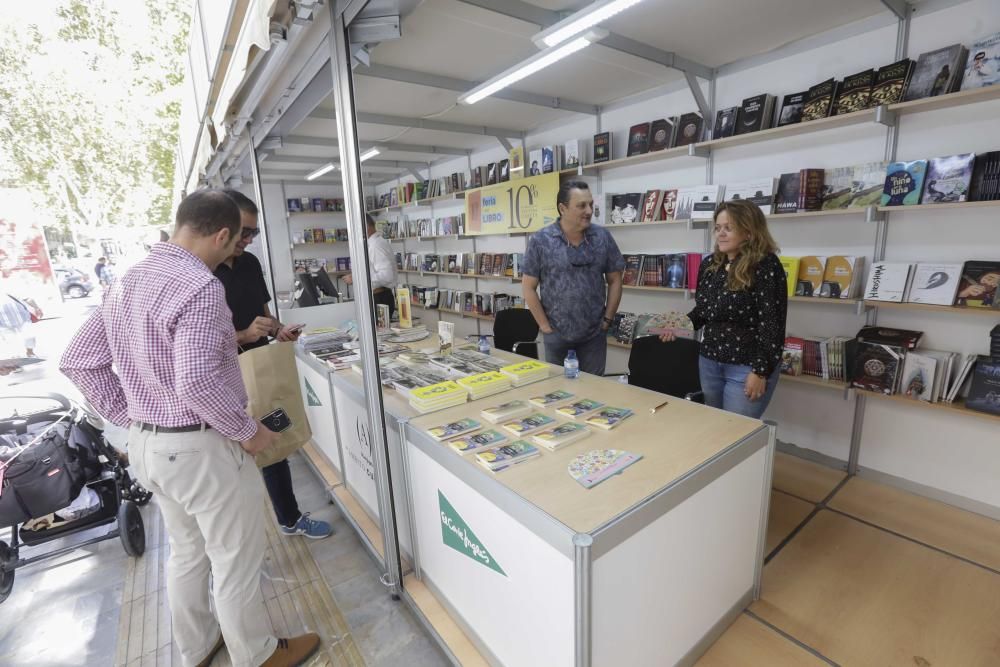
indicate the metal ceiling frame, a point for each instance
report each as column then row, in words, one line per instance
column 424, row 124
column 319, row 161
column 301, row 140
column 901, row 8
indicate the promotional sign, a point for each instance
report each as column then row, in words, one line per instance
column 456, row 534
column 525, row 205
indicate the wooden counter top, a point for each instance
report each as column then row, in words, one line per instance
column 677, row 439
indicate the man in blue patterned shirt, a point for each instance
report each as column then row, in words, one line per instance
column 578, row 268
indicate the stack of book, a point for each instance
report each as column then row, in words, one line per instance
column 552, row 399
column 482, row 385
column 533, row 422
column 560, row 436
column 437, row 396
column 453, row 429
column 477, row 442
column 608, row 418
column 579, row 409
column 505, row 411
column 526, row 372
column 500, row 458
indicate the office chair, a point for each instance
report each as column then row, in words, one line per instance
column 514, row 330
column 669, row 368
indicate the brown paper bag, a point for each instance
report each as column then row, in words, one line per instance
column 272, row 381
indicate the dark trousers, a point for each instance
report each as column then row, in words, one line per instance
column 385, row 297
column 278, row 480
column 592, row 354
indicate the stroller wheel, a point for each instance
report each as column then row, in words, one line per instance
column 6, row 570
column 131, row 529
column 132, row 490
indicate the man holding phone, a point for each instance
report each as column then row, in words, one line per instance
column 246, row 293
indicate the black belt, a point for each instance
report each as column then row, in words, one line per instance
column 379, row 290
column 171, row 429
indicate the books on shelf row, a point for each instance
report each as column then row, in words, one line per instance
column 460, row 301
column 417, row 227
column 943, row 180
column 973, row 283
column 314, row 205
column 833, row 277
column 319, row 235
column 676, row 270
column 501, row 265
column 653, row 136
column 323, row 264
column 406, row 193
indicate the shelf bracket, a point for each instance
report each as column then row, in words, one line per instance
column 898, row 7
column 861, row 307
column 415, row 173
column 694, row 150
column 699, row 96
column 693, row 225
column 507, row 146
column 872, row 214
column 885, row 117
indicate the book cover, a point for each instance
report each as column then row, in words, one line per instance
column 446, row 336
column 948, row 179
column 905, row 339
column 632, row 207
column 503, row 171
column 638, row 139
column 887, row 281
column 918, row 376
column 548, row 159
column 890, row 82
column 477, row 441
column 978, row 287
column 403, row 306
column 698, row 203
column 453, row 429
column 811, row 189
column 515, row 160
column 935, row 284
column 752, row 115
column 657, row 324
column 855, row 92
column 786, row 200
column 986, row 177
column 661, row 133
column 504, row 456
column 690, row 127
column 529, row 424
column 491, row 173
column 791, row 109
column 819, row 100
column 650, row 205
column 984, row 390
column 668, row 205
column 534, row 164
column 791, row 267
column 633, row 269
column 560, row 436
column 876, row 367
column 594, row 467
column 693, row 269
column 760, row 191
column 867, row 184
column 505, row 411
column 791, row 356
column 811, row 269
column 904, row 183
column 608, row 418
column 983, row 66
column 676, row 271
column 571, row 154
column 839, row 276
column 937, row 72
column 551, row 399
column 579, row 408
column 725, row 122
column 602, row 147
column 838, row 184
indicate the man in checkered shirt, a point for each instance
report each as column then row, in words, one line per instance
column 159, row 357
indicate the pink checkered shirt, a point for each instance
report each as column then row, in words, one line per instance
column 167, row 330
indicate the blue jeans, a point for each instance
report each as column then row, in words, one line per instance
column 723, row 386
column 593, row 353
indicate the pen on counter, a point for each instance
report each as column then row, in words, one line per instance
column 652, row 411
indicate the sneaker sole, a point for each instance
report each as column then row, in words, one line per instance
column 308, row 536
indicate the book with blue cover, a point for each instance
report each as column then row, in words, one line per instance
column 904, row 183
column 500, row 458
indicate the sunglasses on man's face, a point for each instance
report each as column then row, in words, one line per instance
column 249, row 233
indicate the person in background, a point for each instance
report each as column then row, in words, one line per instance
column 99, row 271
column 382, row 262
column 741, row 303
column 577, row 267
column 246, row 294
column 15, row 323
column 159, row 357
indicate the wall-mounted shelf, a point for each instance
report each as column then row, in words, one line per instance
column 939, row 207
column 957, row 99
column 653, row 288
column 444, row 311
column 317, row 245
column 957, row 408
column 870, row 213
column 307, row 214
column 645, row 158
column 932, row 308
column 448, row 274
column 656, row 223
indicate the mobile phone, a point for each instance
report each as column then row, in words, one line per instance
column 296, row 329
column 276, row 421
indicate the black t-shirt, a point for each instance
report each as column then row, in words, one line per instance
column 246, row 292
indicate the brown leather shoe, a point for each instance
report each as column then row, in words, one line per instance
column 211, row 654
column 294, row 651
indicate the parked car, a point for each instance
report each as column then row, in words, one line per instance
column 73, row 283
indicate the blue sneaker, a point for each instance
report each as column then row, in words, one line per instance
column 311, row 528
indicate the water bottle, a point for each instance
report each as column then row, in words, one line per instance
column 571, row 365
column 484, row 345
column 622, row 379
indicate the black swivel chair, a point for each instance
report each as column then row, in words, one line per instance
column 515, row 330
column 669, row 368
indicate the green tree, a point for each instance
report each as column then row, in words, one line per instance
column 89, row 109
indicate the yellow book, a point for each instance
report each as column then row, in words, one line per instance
column 791, row 267
column 525, row 368
column 516, row 158
column 437, row 391
column 403, row 306
column 482, row 381
column 810, row 275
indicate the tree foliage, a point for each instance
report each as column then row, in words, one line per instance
column 90, row 106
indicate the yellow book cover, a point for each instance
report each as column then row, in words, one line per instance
column 436, row 391
column 483, row 380
column 403, row 306
column 838, row 277
column 791, row 267
column 516, row 158
column 810, row 275
column 524, row 368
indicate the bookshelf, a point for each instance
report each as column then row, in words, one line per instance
column 876, row 115
column 869, row 212
column 674, row 290
column 482, row 276
column 444, row 311
column 931, row 308
column 314, row 214
column 645, row 158
column 318, row 245
column 951, row 100
column 924, row 208
column 955, row 408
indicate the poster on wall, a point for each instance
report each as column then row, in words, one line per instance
column 25, row 270
column 512, row 207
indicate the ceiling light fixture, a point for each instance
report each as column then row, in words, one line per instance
column 526, row 68
column 326, row 168
column 370, row 153
column 586, row 18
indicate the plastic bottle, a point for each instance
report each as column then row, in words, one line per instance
column 571, row 365
column 484, row 345
column 623, row 379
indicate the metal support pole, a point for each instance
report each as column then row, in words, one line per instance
column 265, row 248
column 583, row 574
column 354, row 206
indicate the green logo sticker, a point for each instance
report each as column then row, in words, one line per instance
column 456, row 534
column 312, row 400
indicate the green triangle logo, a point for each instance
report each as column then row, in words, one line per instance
column 312, row 400
column 456, row 534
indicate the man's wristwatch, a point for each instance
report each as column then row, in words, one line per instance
column 607, row 320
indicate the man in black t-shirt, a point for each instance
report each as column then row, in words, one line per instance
column 247, row 296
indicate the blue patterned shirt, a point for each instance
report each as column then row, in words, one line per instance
column 571, row 279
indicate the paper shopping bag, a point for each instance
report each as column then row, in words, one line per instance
column 272, row 381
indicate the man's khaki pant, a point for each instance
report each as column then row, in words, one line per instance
column 211, row 497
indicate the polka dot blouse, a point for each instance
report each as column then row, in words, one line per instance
column 744, row 327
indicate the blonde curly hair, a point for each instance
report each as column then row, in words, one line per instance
column 746, row 217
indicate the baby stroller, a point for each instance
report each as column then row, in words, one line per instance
column 59, row 477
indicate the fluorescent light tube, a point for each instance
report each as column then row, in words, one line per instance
column 524, row 69
column 584, row 19
column 326, row 168
column 370, row 153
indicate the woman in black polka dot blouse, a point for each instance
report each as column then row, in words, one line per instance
column 741, row 302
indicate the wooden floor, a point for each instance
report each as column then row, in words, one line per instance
column 863, row 574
